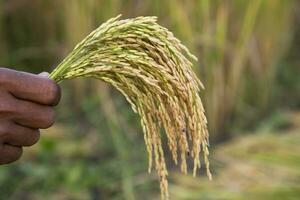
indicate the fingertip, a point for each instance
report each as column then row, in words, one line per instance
column 10, row 153
column 33, row 137
column 54, row 93
column 48, row 118
column 52, row 90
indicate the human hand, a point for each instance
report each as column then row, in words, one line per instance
column 26, row 105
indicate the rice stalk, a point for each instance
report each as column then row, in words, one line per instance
column 152, row 69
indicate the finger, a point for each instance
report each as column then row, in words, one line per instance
column 36, row 88
column 9, row 153
column 34, row 115
column 21, row 136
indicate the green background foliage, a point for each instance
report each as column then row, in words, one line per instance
column 248, row 60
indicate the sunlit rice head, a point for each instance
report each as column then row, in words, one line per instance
column 153, row 70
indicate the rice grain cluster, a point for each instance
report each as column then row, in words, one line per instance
column 152, row 69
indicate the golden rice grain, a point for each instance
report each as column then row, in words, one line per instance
column 150, row 67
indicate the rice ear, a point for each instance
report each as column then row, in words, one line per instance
column 152, row 69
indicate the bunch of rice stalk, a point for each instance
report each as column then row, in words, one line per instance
column 148, row 65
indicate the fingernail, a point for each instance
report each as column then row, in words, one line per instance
column 44, row 74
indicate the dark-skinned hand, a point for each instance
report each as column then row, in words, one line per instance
column 26, row 105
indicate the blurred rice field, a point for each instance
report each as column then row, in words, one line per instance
column 264, row 165
column 248, row 60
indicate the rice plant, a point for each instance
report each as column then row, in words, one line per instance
column 152, row 69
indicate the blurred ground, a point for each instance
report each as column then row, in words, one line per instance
column 261, row 166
